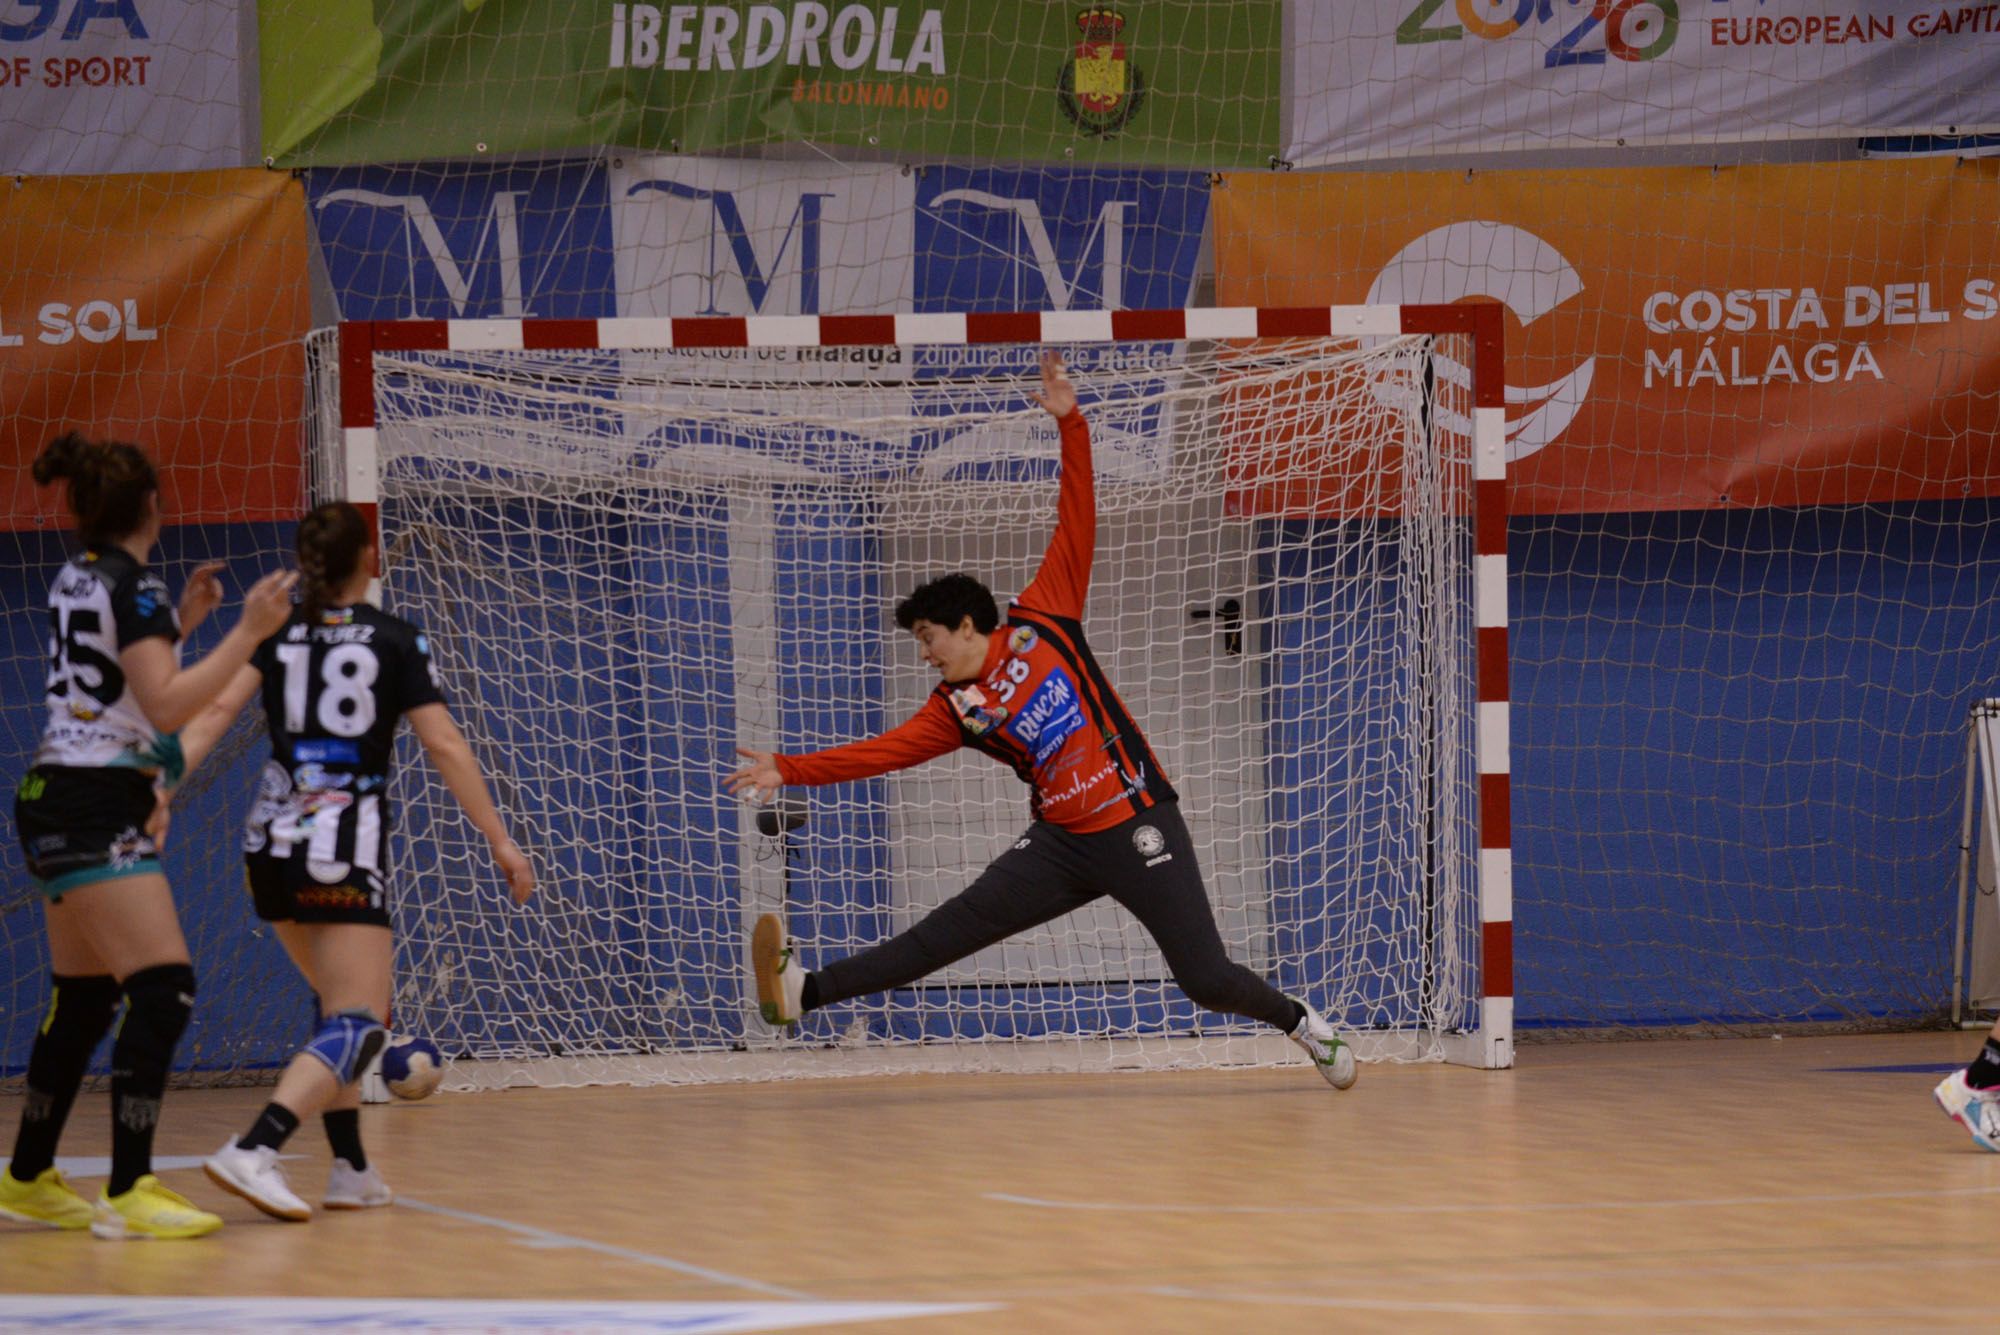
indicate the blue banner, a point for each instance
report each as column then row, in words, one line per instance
column 1030, row 240
column 529, row 240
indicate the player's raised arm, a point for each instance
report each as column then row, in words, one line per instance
column 199, row 737
column 1063, row 581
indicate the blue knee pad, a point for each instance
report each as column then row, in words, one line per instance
column 347, row 1042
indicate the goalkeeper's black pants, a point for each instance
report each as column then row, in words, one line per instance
column 1147, row 864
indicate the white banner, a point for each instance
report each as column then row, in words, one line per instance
column 139, row 85
column 1388, row 79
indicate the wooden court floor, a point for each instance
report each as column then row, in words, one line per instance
column 1803, row 1184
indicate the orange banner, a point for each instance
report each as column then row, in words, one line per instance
column 167, row 310
column 1681, row 338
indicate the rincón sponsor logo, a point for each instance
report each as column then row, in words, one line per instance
column 1100, row 88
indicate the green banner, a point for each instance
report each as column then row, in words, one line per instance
column 1188, row 84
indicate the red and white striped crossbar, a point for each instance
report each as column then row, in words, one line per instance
column 1493, row 1045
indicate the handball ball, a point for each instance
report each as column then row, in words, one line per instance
column 412, row 1068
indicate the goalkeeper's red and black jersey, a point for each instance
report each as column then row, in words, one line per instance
column 1041, row 704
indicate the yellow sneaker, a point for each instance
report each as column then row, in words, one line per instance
column 150, row 1210
column 49, row 1199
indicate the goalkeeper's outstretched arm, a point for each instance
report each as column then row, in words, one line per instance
column 930, row 733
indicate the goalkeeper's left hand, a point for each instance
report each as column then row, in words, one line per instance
column 1057, row 395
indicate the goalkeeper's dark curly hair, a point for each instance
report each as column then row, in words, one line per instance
column 948, row 600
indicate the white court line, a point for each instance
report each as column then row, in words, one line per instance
column 542, row 1237
column 1928, row 1315
column 1479, row 1207
column 85, row 1165
column 1532, row 1271
column 44, row 1314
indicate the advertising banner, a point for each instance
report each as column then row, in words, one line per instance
column 709, row 237
column 1005, row 239
column 166, row 311
column 137, row 86
column 467, row 241
column 1680, row 338
column 404, row 80
column 1383, row 80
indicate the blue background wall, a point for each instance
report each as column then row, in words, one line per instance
column 1739, row 758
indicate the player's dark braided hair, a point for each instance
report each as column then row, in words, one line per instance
column 331, row 539
column 109, row 482
column 948, row 600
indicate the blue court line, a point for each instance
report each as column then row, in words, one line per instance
column 544, row 1238
column 1915, row 1068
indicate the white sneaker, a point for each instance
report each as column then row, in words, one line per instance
column 258, row 1177
column 1977, row 1110
column 781, row 983
column 1333, row 1057
column 351, row 1188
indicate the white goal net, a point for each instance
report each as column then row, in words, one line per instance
column 630, row 561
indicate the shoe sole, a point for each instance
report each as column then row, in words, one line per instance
column 356, row 1205
column 21, row 1218
column 767, row 953
column 1330, row 1071
column 121, row 1231
column 1981, row 1141
column 222, row 1180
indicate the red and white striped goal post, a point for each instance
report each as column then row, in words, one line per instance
column 1493, row 1044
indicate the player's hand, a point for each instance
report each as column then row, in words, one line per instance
column 515, row 866
column 1057, row 395
column 268, row 605
column 201, row 595
column 758, row 781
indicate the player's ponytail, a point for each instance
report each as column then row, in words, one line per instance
column 108, row 481
column 331, row 539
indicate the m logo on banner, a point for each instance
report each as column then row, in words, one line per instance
column 515, row 241
column 729, row 232
column 1107, row 233
column 502, row 225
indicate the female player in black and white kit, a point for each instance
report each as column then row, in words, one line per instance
column 86, row 815
column 335, row 680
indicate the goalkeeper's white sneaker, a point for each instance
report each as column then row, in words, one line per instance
column 1329, row 1052
column 781, row 983
column 1977, row 1110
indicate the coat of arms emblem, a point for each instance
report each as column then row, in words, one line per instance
column 1101, row 88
